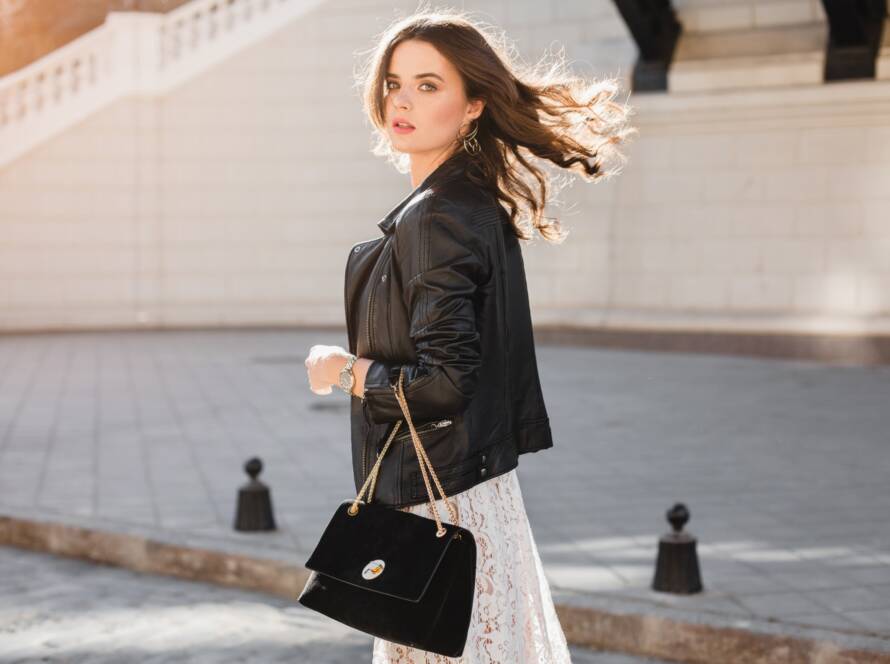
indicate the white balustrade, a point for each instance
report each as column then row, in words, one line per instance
column 131, row 53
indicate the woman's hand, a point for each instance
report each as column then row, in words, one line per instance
column 323, row 366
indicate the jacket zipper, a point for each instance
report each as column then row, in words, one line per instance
column 365, row 445
column 371, row 294
column 364, row 457
column 426, row 428
column 502, row 249
column 346, row 299
column 370, row 309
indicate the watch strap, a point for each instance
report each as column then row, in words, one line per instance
column 350, row 360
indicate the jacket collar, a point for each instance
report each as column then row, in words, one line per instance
column 450, row 166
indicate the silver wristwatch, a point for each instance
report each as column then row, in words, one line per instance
column 347, row 377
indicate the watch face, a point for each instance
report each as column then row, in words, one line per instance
column 346, row 380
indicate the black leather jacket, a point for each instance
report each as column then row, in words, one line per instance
column 443, row 294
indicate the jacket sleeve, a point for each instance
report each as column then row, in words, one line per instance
column 441, row 262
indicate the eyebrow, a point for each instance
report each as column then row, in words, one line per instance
column 429, row 73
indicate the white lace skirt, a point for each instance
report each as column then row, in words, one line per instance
column 513, row 619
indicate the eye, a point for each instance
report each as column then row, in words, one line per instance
column 386, row 85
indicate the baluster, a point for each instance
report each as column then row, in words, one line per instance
column 195, row 36
column 75, row 76
column 39, row 91
column 20, row 108
column 229, row 11
column 57, row 84
column 212, row 21
column 92, row 68
column 176, row 41
column 4, row 110
column 163, row 46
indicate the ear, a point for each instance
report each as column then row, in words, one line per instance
column 475, row 109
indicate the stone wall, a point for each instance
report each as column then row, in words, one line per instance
column 235, row 198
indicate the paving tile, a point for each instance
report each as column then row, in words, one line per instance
column 832, row 620
column 870, row 576
column 877, row 620
column 783, row 605
column 851, row 599
column 781, row 463
column 57, row 609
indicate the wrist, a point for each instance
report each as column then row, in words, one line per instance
column 340, row 366
column 360, row 370
column 336, row 365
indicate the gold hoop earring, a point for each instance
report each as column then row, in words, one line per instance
column 471, row 145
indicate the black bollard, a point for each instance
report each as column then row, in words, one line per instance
column 676, row 570
column 254, row 511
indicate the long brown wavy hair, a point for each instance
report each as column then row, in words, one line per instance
column 537, row 113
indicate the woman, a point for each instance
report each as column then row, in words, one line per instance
column 442, row 297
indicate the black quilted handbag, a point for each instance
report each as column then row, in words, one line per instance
column 393, row 574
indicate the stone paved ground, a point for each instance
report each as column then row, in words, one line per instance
column 783, row 464
column 54, row 609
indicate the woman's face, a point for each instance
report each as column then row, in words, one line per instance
column 424, row 89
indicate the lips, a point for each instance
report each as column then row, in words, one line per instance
column 399, row 122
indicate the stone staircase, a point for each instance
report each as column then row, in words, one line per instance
column 131, row 53
column 754, row 44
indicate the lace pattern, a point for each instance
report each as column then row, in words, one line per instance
column 513, row 618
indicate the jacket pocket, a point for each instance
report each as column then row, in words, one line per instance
column 422, row 429
column 447, row 474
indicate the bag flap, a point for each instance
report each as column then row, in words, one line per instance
column 382, row 549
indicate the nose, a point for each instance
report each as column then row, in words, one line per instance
column 400, row 100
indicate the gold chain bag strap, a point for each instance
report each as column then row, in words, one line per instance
column 377, row 569
column 422, row 460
